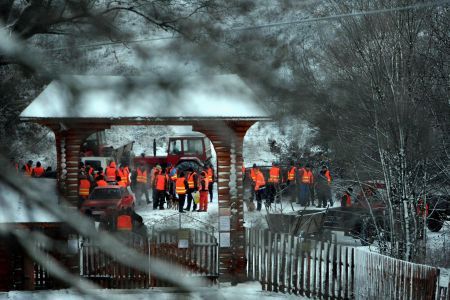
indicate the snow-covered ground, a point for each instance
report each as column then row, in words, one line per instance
column 249, row 290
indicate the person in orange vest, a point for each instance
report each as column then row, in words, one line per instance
column 181, row 187
column 203, row 189
column 273, row 185
column 126, row 172
column 141, row 184
column 155, row 171
column 121, row 174
column 253, row 172
column 260, row 187
column 323, row 189
column 160, row 188
column 120, row 182
column 211, row 178
column 111, row 172
column 124, row 220
column 171, row 172
column 305, row 180
column 84, row 188
column 28, row 168
column 38, row 171
column 100, row 181
column 346, row 199
column 192, row 180
column 327, row 174
column 290, row 182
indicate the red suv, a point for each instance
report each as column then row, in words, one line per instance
column 105, row 200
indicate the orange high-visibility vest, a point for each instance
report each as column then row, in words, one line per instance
column 291, row 174
column 102, row 183
column 260, row 181
column 191, row 182
column 141, row 176
column 328, row 176
column 210, row 173
column 180, row 187
column 84, row 187
column 253, row 174
column 243, row 169
column 126, row 173
column 124, row 223
column 160, row 182
column 122, row 183
column 38, row 171
column 274, row 175
column 348, row 200
column 307, row 177
column 28, row 170
column 121, row 174
column 110, row 173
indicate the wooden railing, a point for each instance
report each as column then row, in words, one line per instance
column 317, row 269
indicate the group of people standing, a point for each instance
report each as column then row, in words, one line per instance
column 299, row 182
column 169, row 185
column 31, row 170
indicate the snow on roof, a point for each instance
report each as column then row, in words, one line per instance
column 15, row 209
column 141, row 98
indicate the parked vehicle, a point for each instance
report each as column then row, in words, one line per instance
column 186, row 151
column 97, row 154
column 438, row 211
column 104, row 201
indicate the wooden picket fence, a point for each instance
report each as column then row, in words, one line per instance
column 380, row 276
column 287, row 264
column 105, row 271
column 198, row 256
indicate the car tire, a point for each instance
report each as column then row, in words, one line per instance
column 435, row 221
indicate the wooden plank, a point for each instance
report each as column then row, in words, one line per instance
column 282, row 271
column 345, row 275
column 269, row 262
column 340, row 250
column 289, row 263
column 314, row 270
column 262, row 259
column 328, row 251
column 296, row 271
column 352, row 272
column 304, row 263
column 276, row 265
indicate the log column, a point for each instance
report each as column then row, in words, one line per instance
column 68, row 143
column 227, row 139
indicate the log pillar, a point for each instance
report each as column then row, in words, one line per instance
column 227, row 139
column 68, row 144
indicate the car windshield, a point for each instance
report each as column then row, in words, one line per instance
column 105, row 194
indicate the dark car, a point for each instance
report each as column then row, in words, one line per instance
column 106, row 200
